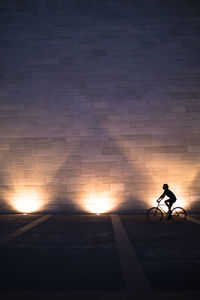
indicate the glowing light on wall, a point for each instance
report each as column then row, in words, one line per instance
column 99, row 203
column 27, row 201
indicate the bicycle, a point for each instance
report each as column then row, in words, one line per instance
column 155, row 214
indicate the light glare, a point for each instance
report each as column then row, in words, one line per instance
column 99, row 203
column 27, row 201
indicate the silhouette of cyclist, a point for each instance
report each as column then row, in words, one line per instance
column 169, row 202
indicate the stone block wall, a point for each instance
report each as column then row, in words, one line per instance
column 99, row 104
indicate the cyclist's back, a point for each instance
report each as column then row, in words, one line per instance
column 169, row 194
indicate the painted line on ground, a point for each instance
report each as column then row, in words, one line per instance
column 4, row 240
column 193, row 220
column 134, row 276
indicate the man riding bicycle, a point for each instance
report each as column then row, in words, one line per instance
column 169, row 202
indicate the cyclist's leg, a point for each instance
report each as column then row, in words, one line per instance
column 168, row 204
column 172, row 201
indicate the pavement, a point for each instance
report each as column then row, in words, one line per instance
column 98, row 257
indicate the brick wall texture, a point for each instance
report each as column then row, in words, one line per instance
column 99, row 101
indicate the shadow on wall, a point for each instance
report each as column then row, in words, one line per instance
column 97, row 175
column 90, row 173
column 88, row 185
column 132, row 205
column 28, row 165
column 59, row 174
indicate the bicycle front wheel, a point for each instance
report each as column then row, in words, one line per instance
column 178, row 214
column 154, row 215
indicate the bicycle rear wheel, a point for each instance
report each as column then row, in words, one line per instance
column 154, row 215
column 178, row 214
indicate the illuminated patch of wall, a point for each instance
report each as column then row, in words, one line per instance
column 99, row 203
column 27, row 200
column 31, row 173
column 156, row 159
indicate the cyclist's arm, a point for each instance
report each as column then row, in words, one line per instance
column 161, row 197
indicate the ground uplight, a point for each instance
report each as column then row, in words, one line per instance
column 99, row 203
column 27, row 201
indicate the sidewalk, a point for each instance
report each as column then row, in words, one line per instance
column 98, row 257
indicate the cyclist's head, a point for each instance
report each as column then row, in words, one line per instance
column 165, row 186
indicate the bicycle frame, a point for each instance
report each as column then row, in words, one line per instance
column 160, row 207
column 155, row 214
